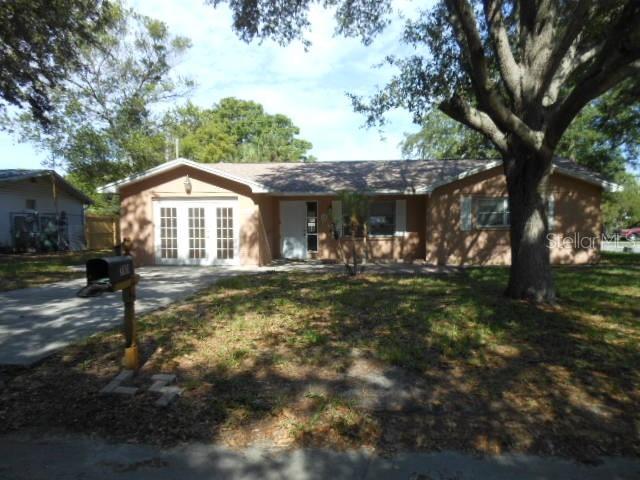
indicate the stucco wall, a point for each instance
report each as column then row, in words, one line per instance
column 137, row 217
column 577, row 211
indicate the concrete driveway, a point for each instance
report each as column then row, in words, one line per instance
column 34, row 322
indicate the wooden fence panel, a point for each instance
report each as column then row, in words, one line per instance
column 102, row 231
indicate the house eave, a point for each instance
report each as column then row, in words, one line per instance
column 604, row 184
column 115, row 186
column 468, row 173
column 331, row 193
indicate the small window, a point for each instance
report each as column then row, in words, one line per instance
column 30, row 204
column 382, row 218
column 492, row 212
column 312, row 226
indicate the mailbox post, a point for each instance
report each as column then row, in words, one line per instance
column 131, row 358
column 111, row 274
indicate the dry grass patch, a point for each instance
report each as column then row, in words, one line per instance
column 33, row 269
column 264, row 359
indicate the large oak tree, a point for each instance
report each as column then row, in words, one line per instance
column 517, row 71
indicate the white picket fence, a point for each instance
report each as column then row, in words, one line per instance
column 620, row 246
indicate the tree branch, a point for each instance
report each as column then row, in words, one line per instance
column 570, row 63
column 479, row 121
column 509, row 69
column 565, row 49
column 470, row 42
column 618, row 59
column 583, row 93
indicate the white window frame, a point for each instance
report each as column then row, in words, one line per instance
column 395, row 219
column 306, row 226
column 505, row 213
column 399, row 219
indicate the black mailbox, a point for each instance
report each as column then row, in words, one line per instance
column 117, row 272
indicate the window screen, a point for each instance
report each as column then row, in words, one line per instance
column 492, row 212
column 382, row 218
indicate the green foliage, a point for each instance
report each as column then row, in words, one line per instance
column 622, row 209
column 284, row 21
column 41, row 42
column 443, row 138
column 355, row 207
column 235, row 130
column 605, row 136
column 103, row 126
column 355, row 213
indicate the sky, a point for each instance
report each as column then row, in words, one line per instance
column 308, row 86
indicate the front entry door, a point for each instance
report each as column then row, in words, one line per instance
column 293, row 235
column 192, row 232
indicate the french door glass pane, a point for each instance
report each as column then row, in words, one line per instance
column 224, row 233
column 168, row 232
column 197, row 248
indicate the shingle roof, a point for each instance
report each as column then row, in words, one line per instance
column 374, row 176
column 395, row 176
column 13, row 174
column 17, row 174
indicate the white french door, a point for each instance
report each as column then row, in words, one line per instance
column 196, row 232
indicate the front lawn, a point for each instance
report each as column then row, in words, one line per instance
column 387, row 362
column 33, row 269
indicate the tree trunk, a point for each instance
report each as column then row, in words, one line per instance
column 530, row 276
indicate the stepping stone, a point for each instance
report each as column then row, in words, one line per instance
column 114, row 384
column 168, row 396
column 130, row 391
column 160, row 385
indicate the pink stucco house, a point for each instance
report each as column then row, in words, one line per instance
column 440, row 212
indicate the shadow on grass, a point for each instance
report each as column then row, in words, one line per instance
column 264, row 358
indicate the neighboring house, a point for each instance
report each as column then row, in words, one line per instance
column 40, row 210
column 441, row 212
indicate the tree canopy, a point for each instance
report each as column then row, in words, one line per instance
column 235, row 130
column 102, row 125
column 41, row 45
column 442, row 138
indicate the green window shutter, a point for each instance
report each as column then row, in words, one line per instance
column 401, row 218
column 466, row 222
column 551, row 212
column 336, row 209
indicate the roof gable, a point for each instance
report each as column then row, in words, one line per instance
column 20, row 174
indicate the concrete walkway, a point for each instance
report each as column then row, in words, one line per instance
column 72, row 457
column 34, row 322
